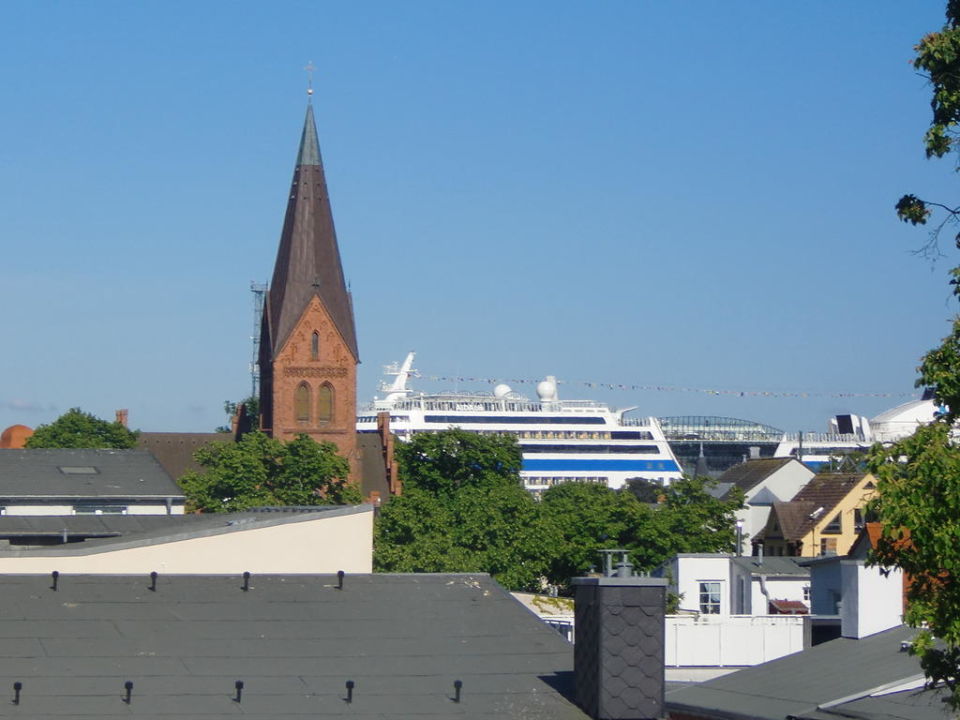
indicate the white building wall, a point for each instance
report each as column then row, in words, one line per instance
column 324, row 545
column 731, row 640
column 870, row 602
column 689, row 571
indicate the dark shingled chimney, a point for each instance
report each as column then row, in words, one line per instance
column 619, row 649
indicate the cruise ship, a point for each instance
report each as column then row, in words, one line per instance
column 561, row 440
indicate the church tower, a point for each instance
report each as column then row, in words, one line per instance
column 308, row 341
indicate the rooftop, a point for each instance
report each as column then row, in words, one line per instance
column 293, row 641
column 75, row 474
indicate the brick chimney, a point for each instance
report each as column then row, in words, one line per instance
column 619, row 649
column 122, row 417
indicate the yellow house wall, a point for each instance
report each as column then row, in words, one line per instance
column 856, row 499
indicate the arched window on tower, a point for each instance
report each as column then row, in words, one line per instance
column 301, row 403
column 325, row 403
column 315, row 346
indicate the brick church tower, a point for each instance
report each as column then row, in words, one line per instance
column 308, row 342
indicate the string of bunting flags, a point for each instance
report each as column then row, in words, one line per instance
column 674, row 388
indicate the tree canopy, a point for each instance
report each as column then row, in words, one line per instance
column 918, row 478
column 79, row 429
column 260, row 471
column 464, row 509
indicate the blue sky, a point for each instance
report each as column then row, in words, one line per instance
column 692, row 195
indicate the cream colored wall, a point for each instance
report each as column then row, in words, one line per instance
column 326, row 545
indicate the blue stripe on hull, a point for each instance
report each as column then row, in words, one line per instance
column 578, row 465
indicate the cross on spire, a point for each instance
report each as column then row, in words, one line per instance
column 309, row 68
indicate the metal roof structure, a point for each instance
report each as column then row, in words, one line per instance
column 84, row 534
column 296, row 643
column 79, row 474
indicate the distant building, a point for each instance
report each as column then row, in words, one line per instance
column 308, row 342
column 826, row 516
column 15, row 437
column 86, row 482
column 763, row 482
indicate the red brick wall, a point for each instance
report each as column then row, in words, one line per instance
column 335, row 366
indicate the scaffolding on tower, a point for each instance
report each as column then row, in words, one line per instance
column 259, row 291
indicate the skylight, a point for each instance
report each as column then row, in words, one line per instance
column 77, row 469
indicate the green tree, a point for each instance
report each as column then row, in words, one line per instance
column 78, row 429
column 938, row 58
column 586, row 518
column 918, row 478
column 260, row 471
column 250, row 418
column 463, row 509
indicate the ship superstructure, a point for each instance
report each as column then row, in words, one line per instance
column 562, row 440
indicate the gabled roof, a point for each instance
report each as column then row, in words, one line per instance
column 83, row 474
column 747, row 475
column 800, row 515
column 845, row 670
column 308, row 258
column 293, row 640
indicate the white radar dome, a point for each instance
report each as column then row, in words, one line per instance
column 547, row 389
column 501, row 391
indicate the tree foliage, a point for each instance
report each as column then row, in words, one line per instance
column 918, row 478
column 938, row 59
column 464, row 509
column 260, row 471
column 78, row 429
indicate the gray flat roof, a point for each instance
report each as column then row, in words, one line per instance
column 293, row 641
column 797, row 684
column 83, row 474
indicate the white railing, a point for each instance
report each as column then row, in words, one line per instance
column 731, row 640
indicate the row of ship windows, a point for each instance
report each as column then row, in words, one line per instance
column 557, row 435
column 551, row 481
column 619, row 449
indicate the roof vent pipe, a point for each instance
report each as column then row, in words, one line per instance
column 457, row 687
column 340, row 574
column 55, row 575
column 238, row 685
column 246, row 580
column 153, row 581
column 350, row 686
column 17, row 687
column 128, row 686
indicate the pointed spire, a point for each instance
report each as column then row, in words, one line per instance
column 309, row 153
column 308, row 259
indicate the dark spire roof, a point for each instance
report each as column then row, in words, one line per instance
column 308, row 260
